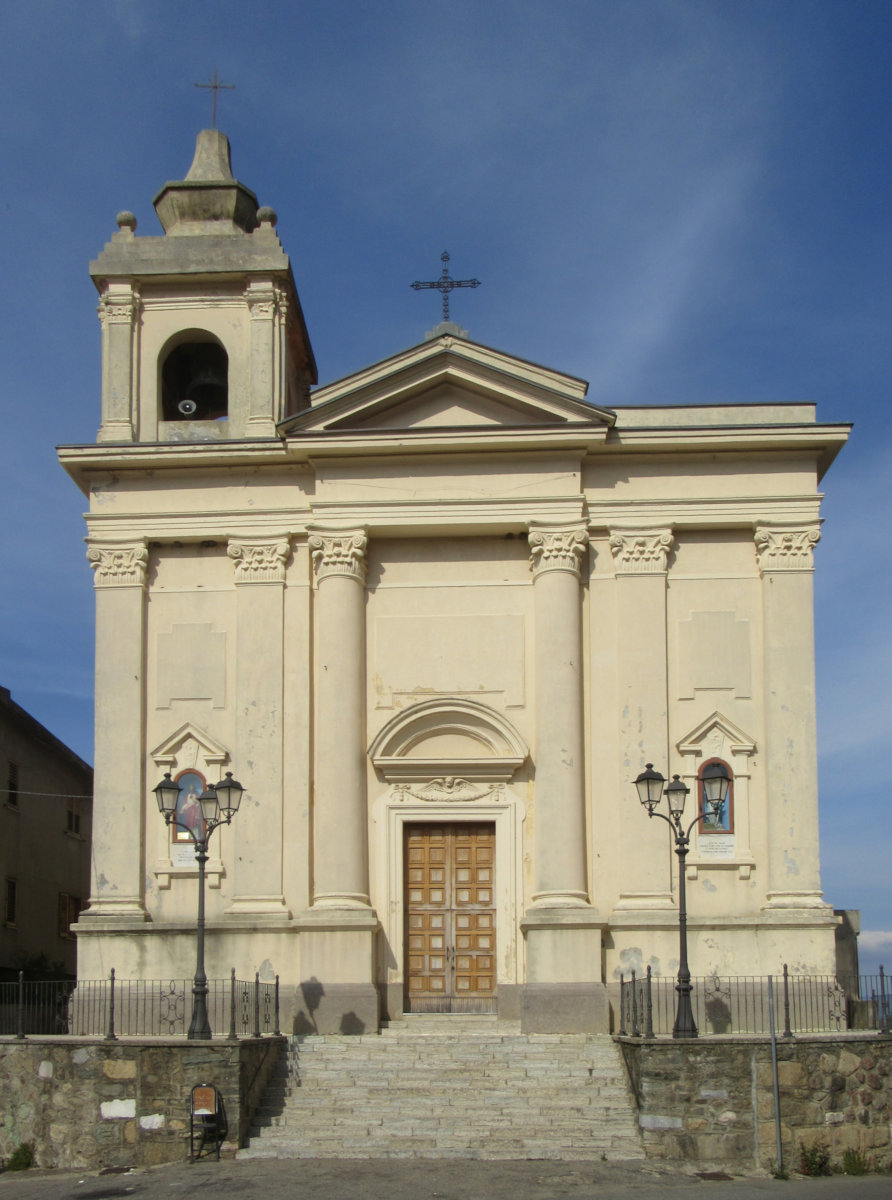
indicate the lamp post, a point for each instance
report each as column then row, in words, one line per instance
column 219, row 804
column 716, row 781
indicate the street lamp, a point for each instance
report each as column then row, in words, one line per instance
column 219, row 804
column 716, row 781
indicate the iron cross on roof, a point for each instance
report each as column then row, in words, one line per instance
column 445, row 284
column 216, row 86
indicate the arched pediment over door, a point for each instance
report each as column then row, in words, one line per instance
column 448, row 739
column 449, row 763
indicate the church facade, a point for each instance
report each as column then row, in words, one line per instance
column 436, row 617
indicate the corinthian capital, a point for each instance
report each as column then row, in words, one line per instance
column 261, row 301
column 259, row 562
column 557, row 548
column 116, row 311
column 641, row 551
column 119, row 566
column 786, row 549
column 339, row 552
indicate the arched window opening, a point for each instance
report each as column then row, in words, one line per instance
column 723, row 821
column 195, row 382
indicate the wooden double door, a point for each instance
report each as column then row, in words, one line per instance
column 450, row 917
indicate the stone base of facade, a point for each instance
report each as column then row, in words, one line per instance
column 344, row 1008
column 337, row 992
column 564, row 1008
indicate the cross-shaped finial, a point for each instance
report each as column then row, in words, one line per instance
column 215, row 86
column 445, row 284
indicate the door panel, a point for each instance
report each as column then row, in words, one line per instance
column 450, row 918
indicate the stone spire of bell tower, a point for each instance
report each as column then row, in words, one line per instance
column 209, row 200
column 203, row 337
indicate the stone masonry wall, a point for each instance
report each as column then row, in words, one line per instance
column 711, row 1101
column 88, row 1103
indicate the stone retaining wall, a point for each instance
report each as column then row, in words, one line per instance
column 89, row 1103
column 711, row 1101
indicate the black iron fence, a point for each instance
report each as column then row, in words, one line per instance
column 737, row 1004
column 112, row 1008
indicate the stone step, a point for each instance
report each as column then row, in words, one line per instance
column 457, row 1086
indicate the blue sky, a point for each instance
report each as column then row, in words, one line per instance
column 678, row 200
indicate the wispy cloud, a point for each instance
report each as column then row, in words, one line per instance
column 875, row 939
column 672, row 275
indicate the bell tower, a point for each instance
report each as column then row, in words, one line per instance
column 203, row 337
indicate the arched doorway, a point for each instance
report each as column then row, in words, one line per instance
column 448, row 855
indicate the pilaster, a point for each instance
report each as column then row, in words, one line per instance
column 785, row 556
column 259, row 565
column 119, row 577
column 119, row 316
column 640, row 560
column 265, row 349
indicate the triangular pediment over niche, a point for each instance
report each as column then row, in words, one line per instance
column 189, row 742
column 715, row 734
column 450, row 383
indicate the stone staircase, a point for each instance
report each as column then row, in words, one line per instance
column 448, row 1087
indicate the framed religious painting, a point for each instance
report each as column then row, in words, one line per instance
column 188, row 819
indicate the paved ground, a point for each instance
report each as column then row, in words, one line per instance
column 328, row 1179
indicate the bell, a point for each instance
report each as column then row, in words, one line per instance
column 206, row 393
column 195, row 382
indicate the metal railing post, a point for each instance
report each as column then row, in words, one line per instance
column 621, row 1032
column 885, row 1022
column 277, row 1031
column 779, row 1150
column 788, row 1033
column 257, row 1004
column 233, row 1036
column 648, row 1007
column 110, row 1035
column 20, row 1008
column 636, row 1032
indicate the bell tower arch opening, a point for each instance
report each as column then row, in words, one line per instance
column 194, row 383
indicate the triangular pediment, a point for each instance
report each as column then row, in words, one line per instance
column 446, row 384
column 187, row 746
column 713, row 735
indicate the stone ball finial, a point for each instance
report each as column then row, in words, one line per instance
column 267, row 216
column 126, row 220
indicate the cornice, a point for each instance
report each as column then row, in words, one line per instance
column 703, row 512
column 497, row 515
column 484, row 439
column 82, row 462
column 824, row 441
column 470, row 439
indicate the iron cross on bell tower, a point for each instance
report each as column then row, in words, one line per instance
column 216, row 85
column 445, row 284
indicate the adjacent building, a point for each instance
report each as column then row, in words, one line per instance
column 436, row 617
column 45, row 826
